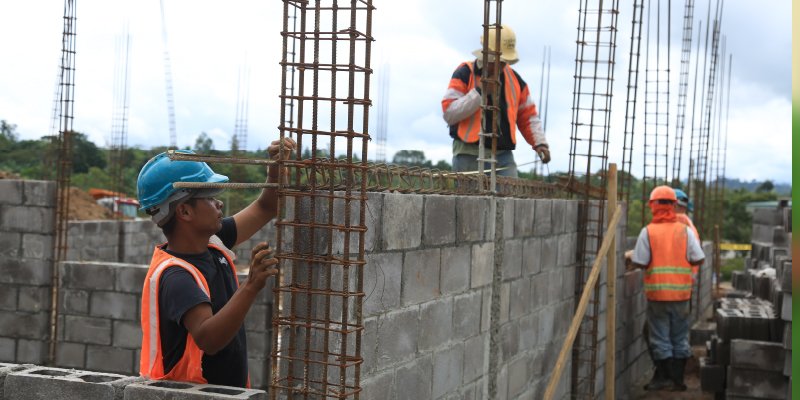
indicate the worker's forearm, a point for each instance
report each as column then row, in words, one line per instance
column 698, row 263
column 217, row 331
column 268, row 199
column 462, row 107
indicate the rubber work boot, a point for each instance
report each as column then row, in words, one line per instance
column 677, row 368
column 660, row 380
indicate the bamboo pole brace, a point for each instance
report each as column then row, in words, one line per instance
column 579, row 313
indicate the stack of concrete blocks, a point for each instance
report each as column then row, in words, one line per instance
column 756, row 371
column 756, row 311
column 737, row 319
column 30, row 382
column 27, row 217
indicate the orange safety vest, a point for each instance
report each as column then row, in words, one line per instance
column 668, row 277
column 189, row 367
column 469, row 128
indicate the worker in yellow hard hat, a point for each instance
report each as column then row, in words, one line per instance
column 461, row 106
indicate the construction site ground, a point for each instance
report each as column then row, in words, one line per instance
column 692, row 380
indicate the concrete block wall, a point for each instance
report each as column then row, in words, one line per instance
column 434, row 296
column 454, row 298
column 27, row 217
column 132, row 242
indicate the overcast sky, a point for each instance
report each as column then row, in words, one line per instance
column 423, row 41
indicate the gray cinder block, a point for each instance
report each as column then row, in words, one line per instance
column 382, row 280
column 167, row 390
column 11, row 191
column 754, row 383
column 448, row 370
column 420, row 276
column 405, row 230
column 524, row 210
column 482, row 264
column 87, row 275
column 56, row 383
column 114, row 305
column 415, row 379
column 397, row 336
column 543, row 221
column 435, row 323
column 440, row 220
column 751, row 354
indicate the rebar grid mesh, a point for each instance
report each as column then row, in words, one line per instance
column 683, row 88
column 631, row 99
column 704, row 148
column 317, row 320
column 66, row 116
column 656, row 99
column 591, row 114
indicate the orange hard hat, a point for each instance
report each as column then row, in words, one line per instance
column 663, row 193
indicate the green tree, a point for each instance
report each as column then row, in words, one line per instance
column 203, row 144
column 766, row 186
column 411, row 158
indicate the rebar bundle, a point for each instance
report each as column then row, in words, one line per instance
column 683, row 88
column 631, row 100
column 66, row 116
column 119, row 119
column 656, row 102
column 591, row 115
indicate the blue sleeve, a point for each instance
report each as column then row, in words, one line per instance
column 228, row 232
column 178, row 293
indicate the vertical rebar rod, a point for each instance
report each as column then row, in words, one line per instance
column 631, row 100
column 66, row 117
column 683, row 87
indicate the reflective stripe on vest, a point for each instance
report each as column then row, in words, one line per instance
column 469, row 128
column 668, row 277
column 189, row 367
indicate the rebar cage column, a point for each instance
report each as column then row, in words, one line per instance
column 317, row 321
column 591, row 114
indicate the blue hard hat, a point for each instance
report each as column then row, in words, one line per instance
column 154, row 185
column 683, row 199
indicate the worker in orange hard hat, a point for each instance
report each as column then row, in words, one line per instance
column 193, row 308
column 667, row 249
column 461, row 106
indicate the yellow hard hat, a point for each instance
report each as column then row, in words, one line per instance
column 508, row 45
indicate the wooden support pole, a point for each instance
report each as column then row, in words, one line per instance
column 611, row 276
column 584, row 302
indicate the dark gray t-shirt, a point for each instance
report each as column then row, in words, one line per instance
column 179, row 293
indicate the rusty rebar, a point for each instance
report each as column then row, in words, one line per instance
column 66, row 116
column 594, row 78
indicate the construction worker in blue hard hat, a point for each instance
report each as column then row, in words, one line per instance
column 193, row 308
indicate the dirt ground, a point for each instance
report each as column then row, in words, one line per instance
column 82, row 206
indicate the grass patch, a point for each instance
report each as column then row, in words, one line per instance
column 730, row 265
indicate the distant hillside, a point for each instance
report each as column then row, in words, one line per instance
column 782, row 189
